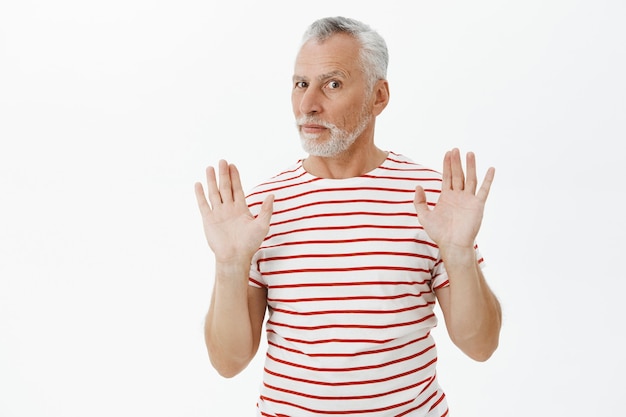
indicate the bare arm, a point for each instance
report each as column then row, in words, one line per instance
column 234, row 321
column 471, row 311
column 233, row 325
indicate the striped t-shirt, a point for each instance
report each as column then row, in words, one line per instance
column 349, row 274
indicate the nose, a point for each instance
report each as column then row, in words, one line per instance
column 310, row 101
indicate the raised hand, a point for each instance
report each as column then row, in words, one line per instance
column 233, row 234
column 457, row 216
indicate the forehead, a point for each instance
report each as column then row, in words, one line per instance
column 339, row 53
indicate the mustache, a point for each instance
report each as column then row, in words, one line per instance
column 309, row 120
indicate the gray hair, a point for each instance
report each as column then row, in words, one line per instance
column 374, row 54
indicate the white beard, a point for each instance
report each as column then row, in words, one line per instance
column 339, row 141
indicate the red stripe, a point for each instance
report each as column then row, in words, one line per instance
column 356, row 226
column 357, row 240
column 325, row 202
column 345, row 214
column 443, row 284
column 422, row 404
column 349, row 284
column 325, row 341
column 352, row 326
column 389, row 177
column 419, row 167
column 351, row 298
column 374, row 410
column 260, row 284
column 347, row 269
column 271, row 190
column 313, row 313
column 328, row 190
column 341, row 398
column 336, row 355
column 344, row 383
column 443, row 395
column 346, row 255
column 353, row 369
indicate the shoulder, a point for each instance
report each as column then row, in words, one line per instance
column 402, row 165
column 279, row 183
column 400, row 171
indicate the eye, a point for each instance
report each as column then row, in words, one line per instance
column 301, row 84
column 333, row 85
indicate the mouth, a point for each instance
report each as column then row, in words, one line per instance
column 311, row 128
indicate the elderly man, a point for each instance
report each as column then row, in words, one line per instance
column 348, row 250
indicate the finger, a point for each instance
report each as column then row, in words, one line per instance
column 456, row 169
column 483, row 192
column 237, row 189
column 226, row 191
column 203, row 204
column 470, row 164
column 211, row 183
column 447, row 177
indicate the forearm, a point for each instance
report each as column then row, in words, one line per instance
column 474, row 316
column 228, row 329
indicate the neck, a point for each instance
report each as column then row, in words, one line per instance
column 352, row 163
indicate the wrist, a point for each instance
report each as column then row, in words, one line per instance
column 453, row 255
column 234, row 269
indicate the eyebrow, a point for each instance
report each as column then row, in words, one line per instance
column 323, row 77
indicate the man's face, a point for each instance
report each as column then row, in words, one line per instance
column 330, row 98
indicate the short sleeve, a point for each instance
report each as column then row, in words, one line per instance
column 255, row 279
column 440, row 275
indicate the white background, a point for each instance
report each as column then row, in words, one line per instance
column 110, row 111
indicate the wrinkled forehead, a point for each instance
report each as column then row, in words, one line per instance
column 338, row 53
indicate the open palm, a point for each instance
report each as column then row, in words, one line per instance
column 232, row 232
column 457, row 216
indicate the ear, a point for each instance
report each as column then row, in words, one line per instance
column 381, row 97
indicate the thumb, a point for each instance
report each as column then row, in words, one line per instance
column 419, row 201
column 266, row 210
